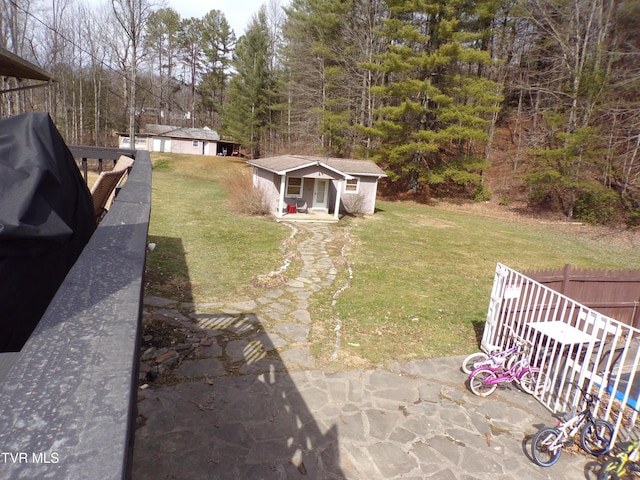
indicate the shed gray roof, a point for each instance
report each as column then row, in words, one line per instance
column 182, row 132
column 283, row 164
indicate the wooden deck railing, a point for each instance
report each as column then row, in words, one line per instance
column 67, row 400
column 83, row 154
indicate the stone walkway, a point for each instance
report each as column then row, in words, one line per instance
column 248, row 403
column 247, row 337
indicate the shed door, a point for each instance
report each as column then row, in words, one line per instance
column 320, row 194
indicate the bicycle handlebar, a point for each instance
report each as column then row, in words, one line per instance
column 518, row 338
column 589, row 397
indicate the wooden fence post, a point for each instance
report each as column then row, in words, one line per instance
column 566, row 280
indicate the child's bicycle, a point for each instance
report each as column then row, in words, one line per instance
column 624, row 462
column 595, row 434
column 498, row 358
column 484, row 380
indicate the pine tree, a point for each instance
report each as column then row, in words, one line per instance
column 191, row 50
column 436, row 109
column 316, row 73
column 247, row 115
column 162, row 39
column 326, row 43
column 218, row 41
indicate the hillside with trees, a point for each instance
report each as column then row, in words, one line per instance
column 438, row 92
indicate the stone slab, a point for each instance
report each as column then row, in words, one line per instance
column 211, row 367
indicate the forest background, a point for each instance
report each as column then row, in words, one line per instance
column 438, row 92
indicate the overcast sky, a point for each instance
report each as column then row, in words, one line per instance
column 237, row 12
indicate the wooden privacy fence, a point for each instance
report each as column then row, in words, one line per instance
column 612, row 293
column 572, row 344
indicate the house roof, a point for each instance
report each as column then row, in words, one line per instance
column 182, row 132
column 284, row 164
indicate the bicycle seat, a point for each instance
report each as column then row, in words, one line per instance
column 562, row 416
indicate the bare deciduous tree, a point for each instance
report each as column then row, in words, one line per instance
column 132, row 16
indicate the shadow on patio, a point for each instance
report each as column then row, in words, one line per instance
column 228, row 407
column 219, row 418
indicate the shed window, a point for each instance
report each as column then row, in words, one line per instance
column 294, row 187
column 352, row 185
column 194, row 143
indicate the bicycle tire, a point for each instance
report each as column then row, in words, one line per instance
column 511, row 360
column 540, row 451
column 544, row 384
column 596, row 437
column 529, row 379
column 477, row 382
column 470, row 362
column 611, row 470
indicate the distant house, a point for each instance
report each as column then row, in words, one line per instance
column 171, row 139
column 307, row 184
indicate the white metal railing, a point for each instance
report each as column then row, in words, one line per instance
column 573, row 344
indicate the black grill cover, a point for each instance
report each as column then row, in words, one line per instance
column 46, row 219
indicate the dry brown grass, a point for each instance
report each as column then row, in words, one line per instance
column 243, row 197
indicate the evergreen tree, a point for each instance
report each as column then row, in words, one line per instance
column 191, row 50
column 162, row 38
column 572, row 63
column 218, row 41
column 327, row 40
column 247, row 116
column 567, row 168
column 314, row 33
column 435, row 108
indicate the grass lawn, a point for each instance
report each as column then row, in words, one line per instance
column 421, row 274
column 205, row 253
